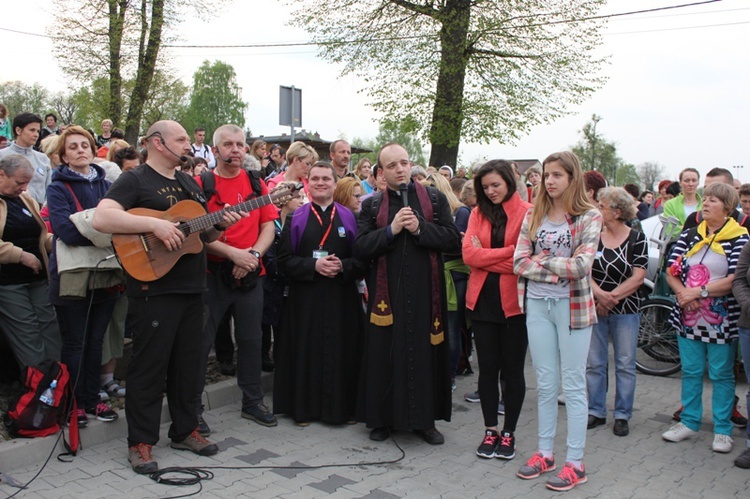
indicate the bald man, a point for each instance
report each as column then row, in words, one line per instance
column 167, row 313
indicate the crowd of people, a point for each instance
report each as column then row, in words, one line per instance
column 416, row 267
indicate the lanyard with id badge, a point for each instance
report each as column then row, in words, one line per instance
column 320, row 252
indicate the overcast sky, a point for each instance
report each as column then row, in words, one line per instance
column 678, row 91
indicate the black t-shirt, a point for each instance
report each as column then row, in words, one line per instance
column 21, row 229
column 143, row 187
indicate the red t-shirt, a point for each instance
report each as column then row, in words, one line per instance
column 233, row 191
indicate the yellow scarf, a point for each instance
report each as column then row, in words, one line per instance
column 730, row 230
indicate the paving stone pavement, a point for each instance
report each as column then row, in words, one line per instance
column 281, row 461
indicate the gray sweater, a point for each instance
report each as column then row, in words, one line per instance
column 42, row 171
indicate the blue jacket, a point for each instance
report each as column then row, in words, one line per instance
column 62, row 204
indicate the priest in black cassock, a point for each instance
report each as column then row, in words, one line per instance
column 405, row 379
column 319, row 345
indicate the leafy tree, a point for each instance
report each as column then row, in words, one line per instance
column 402, row 132
column 650, row 174
column 476, row 70
column 597, row 153
column 120, row 40
column 20, row 97
column 216, row 99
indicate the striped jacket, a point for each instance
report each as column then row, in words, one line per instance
column 585, row 230
column 729, row 329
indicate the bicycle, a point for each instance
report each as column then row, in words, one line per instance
column 658, row 353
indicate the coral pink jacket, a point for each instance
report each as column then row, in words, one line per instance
column 499, row 260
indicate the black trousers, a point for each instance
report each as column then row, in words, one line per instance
column 167, row 334
column 501, row 347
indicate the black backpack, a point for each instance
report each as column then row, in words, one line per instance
column 209, row 183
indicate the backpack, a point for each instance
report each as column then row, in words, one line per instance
column 698, row 215
column 209, row 183
column 27, row 416
column 205, row 150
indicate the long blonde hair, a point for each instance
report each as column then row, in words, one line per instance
column 440, row 183
column 574, row 198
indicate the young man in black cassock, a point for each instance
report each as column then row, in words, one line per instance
column 405, row 378
column 318, row 346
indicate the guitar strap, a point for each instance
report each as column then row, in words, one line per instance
column 191, row 187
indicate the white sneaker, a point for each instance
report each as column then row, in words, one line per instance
column 722, row 443
column 678, row 433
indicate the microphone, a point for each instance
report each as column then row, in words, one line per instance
column 181, row 158
column 404, row 194
column 227, row 160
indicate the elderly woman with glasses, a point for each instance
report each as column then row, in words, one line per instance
column 700, row 272
column 618, row 271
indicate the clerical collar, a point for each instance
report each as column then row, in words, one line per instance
column 321, row 207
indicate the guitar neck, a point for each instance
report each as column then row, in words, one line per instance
column 202, row 223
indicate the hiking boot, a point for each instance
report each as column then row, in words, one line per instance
column 737, row 418
column 472, row 397
column 196, row 443
column 260, row 414
column 506, row 449
column 203, row 427
column 678, row 433
column 141, row 460
column 569, row 477
column 83, row 419
column 722, row 443
column 535, row 466
column 743, row 460
column 102, row 412
column 489, row 445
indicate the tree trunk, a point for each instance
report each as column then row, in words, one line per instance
column 447, row 117
column 116, row 24
column 145, row 73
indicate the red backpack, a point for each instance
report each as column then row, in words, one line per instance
column 28, row 417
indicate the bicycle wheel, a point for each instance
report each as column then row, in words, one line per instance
column 658, row 353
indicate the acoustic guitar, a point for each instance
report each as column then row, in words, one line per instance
column 145, row 257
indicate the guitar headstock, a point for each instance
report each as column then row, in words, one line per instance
column 285, row 192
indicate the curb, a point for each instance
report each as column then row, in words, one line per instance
column 23, row 453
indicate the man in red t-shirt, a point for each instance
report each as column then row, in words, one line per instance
column 231, row 258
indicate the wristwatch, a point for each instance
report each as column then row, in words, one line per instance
column 257, row 255
column 704, row 292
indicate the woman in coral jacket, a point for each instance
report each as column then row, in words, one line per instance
column 492, row 302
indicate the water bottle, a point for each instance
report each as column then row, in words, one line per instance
column 47, row 399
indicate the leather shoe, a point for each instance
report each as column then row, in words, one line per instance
column 621, row 428
column 431, row 436
column 380, row 434
column 267, row 364
column 227, row 368
column 594, row 422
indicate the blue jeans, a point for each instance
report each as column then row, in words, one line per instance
column 745, row 348
column 624, row 331
column 694, row 354
column 555, row 350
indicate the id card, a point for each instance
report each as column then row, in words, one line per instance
column 320, row 254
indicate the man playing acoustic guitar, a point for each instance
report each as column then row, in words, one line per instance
column 167, row 313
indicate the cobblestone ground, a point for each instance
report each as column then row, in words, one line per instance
column 640, row 465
